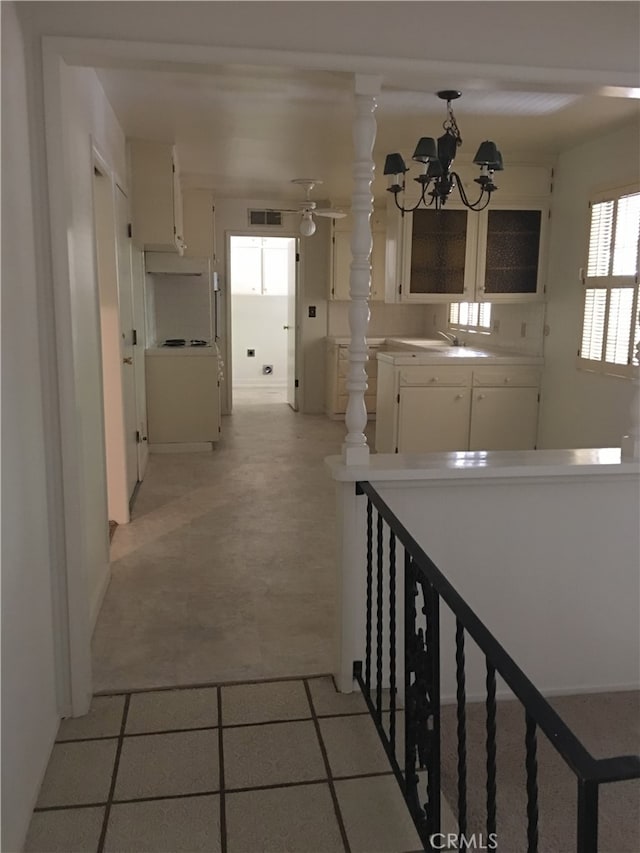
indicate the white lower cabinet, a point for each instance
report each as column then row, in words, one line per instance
column 183, row 399
column 434, row 418
column 424, row 409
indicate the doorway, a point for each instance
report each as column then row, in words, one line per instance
column 116, row 334
column 262, row 287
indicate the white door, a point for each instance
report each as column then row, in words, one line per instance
column 292, row 326
column 139, row 323
column 125, row 303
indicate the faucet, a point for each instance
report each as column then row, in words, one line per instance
column 453, row 340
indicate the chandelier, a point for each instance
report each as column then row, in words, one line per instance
column 437, row 179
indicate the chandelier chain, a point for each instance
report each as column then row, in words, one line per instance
column 451, row 125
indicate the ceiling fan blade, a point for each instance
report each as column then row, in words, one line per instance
column 332, row 214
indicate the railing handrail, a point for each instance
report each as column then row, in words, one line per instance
column 584, row 765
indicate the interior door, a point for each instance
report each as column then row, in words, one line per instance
column 292, row 326
column 127, row 349
column 139, row 324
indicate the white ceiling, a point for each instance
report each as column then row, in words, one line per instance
column 248, row 131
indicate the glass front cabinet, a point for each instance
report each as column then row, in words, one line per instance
column 458, row 255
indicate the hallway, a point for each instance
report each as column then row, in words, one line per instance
column 227, row 570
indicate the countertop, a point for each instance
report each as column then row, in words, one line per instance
column 403, row 351
column 463, row 356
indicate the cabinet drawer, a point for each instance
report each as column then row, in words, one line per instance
column 434, row 376
column 522, row 377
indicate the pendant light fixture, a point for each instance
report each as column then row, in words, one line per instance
column 437, row 180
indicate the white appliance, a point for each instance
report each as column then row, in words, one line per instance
column 183, row 398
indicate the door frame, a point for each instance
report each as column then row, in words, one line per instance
column 228, row 319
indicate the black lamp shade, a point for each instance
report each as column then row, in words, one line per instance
column 394, row 165
column 425, row 150
column 434, row 169
column 488, row 155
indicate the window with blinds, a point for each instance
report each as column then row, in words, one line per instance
column 470, row 316
column 611, row 326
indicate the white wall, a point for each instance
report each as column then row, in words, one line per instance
column 257, row 325
column 580, row 409
column 87, row 116
column 231, row 217
column 29, row 708
column 550, row 567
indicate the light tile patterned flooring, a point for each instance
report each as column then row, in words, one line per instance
column 288, row 766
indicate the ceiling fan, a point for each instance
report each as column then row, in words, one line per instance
column 309, row 209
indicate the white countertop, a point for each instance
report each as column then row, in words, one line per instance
column 488, row 465
column 458, row 356
column 404, row 351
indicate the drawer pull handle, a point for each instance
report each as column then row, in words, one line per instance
column 481, row 396
column 459, row 396
column 434, row 379
column 506, row 379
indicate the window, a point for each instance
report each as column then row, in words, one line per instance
column 261, row 265
column 470, row 316
column 610, row 325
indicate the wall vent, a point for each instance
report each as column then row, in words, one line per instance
column 265, row 217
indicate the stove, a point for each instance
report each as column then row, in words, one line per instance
column 181, row 342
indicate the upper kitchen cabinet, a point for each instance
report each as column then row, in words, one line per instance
column 156, row 197
column 459, row 255
column 341, row 261
column 199, row 224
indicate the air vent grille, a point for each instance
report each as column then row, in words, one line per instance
column 265, row 217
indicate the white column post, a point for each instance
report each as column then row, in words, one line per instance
column 355, row 450
column 631, row 441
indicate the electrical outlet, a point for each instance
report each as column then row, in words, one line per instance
column 251, row 353
column 523, row 330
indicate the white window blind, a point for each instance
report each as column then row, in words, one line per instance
column 611, row 327
column 472, row 316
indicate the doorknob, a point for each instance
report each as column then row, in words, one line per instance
column 128, row 360
column 286, row 327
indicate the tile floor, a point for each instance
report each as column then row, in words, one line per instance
column 285, row 766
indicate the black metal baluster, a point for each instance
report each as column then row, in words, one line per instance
column 461, row 699
column 367, row 670
column 532, row 785
column 491, row 748
column 379, row 623
column 432, row 608
column 410, row 775
column 392, row 640
column 587, row 829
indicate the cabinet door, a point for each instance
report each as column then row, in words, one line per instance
column 440, row 252
column 504, row 419
column 432, row 419
column 509, row 260
column 341, row 270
